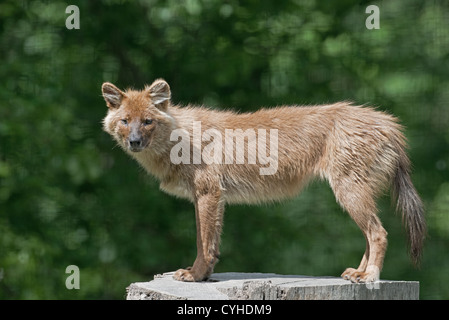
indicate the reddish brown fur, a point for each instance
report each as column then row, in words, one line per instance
column 359, row 150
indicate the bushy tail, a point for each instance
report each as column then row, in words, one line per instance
column 411, row 206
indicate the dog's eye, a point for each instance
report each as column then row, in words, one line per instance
column 148, row 121
column 124, row 121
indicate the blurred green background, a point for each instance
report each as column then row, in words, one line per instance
column 68, row 196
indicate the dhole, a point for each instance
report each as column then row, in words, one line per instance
column 358, row 150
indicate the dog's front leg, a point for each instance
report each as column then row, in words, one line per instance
column 209, row 219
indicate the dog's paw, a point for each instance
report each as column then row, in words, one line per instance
column 371, row 274
column 184, row 275
column 189, row 275
column 351, row 274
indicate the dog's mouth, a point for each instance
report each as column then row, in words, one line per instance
column 135, row 149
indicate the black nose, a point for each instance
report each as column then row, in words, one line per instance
column 137, row 143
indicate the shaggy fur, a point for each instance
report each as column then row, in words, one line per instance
column 359, row 150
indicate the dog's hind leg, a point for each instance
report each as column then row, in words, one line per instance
column 358, row 200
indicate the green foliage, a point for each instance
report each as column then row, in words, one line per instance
column 69, row 196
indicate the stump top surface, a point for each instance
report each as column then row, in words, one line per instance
column 270, row 286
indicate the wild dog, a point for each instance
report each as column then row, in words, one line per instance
column 360, row 151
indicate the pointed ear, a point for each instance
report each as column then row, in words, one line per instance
column 112, row 95
column 160, row 93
